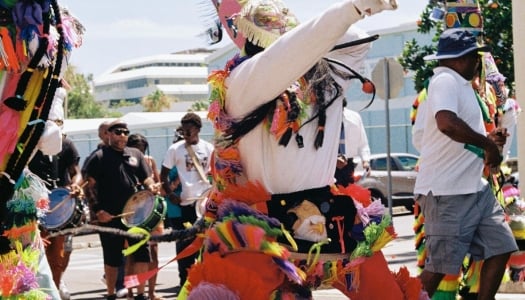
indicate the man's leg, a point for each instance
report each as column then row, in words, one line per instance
column 111, row 278
column 430, row 281
column 140, row 267
column 55, row 257
column 491, row 275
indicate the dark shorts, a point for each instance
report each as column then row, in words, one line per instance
column 459, row 224
column 113, row 244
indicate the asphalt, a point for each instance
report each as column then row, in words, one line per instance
column 398, row 253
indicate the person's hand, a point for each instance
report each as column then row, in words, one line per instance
column 155, row 188
column 499, row 136
column 366, row 169
column 341, row 162
column 174, row 199
column 493, row 157
column 371, row 7
column 103, row 216
column 75, row 190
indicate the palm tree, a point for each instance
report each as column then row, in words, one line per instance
column 155, row 102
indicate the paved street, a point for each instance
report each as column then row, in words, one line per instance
column 86, row 267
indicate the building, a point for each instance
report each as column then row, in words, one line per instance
column 158, row 127
column 180, row 76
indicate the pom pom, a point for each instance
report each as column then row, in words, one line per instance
column 208, row 291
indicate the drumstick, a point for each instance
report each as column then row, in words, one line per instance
column 59, row 204
column 124, row 214
column 65, row 199
column 196, row 198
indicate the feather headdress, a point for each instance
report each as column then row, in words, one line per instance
column 260, row 21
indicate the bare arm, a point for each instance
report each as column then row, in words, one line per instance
column 456, row 129
column 166, row 185
column 155, row 172
column 76, row 180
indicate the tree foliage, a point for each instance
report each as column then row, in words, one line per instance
column 497, row 33
column 80, row 101
column 200, row 105
column 155, row 102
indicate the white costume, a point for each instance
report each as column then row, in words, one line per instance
column 290, row 169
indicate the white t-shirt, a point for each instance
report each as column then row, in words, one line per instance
column 191, row 182
column 446, row 167
column 266, row 75
column 356, row 142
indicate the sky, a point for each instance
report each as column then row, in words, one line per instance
column 120, row 30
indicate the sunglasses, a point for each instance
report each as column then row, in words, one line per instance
column 120, row 131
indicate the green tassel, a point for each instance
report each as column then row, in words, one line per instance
column 442, row 295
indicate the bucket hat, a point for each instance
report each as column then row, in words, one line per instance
column 455, row 43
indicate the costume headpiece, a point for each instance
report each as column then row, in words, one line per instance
column 492, row 73
column 261, row 21
column 464, row 14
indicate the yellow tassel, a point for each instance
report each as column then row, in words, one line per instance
column 519, row 234
column 135, row 247
column 381, row 241
column 289, row 238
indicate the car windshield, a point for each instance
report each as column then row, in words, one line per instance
column 409, row 163
column 405, row 163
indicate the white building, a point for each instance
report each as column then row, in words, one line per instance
column 180, row 76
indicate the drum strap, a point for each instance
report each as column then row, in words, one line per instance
column 196, row 162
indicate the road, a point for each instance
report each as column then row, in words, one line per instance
column 86, row 268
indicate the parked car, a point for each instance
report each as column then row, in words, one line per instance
column 403, row 177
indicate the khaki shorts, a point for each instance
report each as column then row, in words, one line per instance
column 459, row 224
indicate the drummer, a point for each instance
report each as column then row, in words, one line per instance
column 137, row 140
column 191, row 156
column 114, row 174
column 59, row 171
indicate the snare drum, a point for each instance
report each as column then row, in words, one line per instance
column 64, row 211
column 144, row 209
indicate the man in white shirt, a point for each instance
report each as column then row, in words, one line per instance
column 191, row 157
column 461, row 213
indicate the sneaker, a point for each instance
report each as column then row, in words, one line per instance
column 64, row 293
column 122, row 293
column 140, row 297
